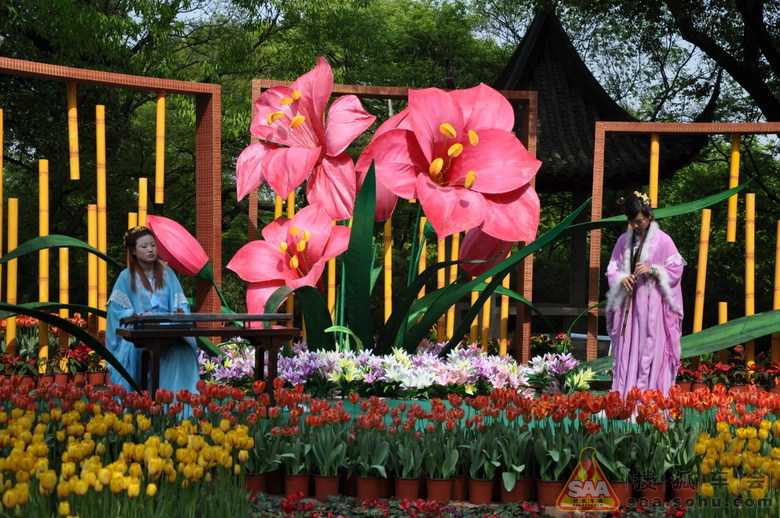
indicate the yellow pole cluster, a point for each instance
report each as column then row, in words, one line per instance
column 440, row 283
column 655, row 153
column 2, row 181
column 701, row 272
column 423, row 252
column 64, row 269
column 290, row 300
column 503, row 330
column 143, row 184
column 486, row 307
column 776, row 299
column 92, row 265
column 43, row 255
column 723, row 317
column 454, row 248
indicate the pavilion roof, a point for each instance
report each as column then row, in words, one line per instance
column 571, row 100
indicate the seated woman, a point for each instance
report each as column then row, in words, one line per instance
column 148, row 286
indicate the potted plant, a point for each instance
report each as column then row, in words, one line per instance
column 295, row 459
column 515, row 444
column 371, row 451
column 652, row 463
column 484, row 455
column 406, row 454
column 441, row 459
column 328, row 454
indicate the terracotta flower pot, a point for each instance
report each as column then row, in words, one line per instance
column 96, row 378
column 369, row 488
column 61, row 378
column 524, row 491
column 773, row 390
column 623, row 491
column 439, row 490
column 653, row 492
column 44, row 379
column 296, row 484
column 460, row 489
column 254, row 483
column 685, row 386
column 684, row 492
column 547, row 491
column 274, row 483
column 698, row 385
column 324, row 486
column 407, row 488
column 480, row 491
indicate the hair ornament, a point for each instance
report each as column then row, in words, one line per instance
column 644, row 197
column 132, row 231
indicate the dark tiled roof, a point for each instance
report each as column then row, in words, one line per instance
column 571, row 100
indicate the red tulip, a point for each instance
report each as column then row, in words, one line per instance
column 179, row 248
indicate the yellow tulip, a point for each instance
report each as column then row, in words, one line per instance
column 707, row 491
column 63, row 508
column 151, row 490
column 11, row 498
column 47, row 482
column 134, row 488
column 735, row 486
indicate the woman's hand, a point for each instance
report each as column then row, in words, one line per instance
column 629, row 283
column 642, row 269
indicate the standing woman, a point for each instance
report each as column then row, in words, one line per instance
column 148, row 286
column 644, row 303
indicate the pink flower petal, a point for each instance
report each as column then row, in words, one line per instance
column 397, row 159
column 276, row 231
column 346, row 120
column 270, row 102
column 333, row 186
column 287, row 168
column 428, row 110
column 450, row 209
column 176, row 246
column 316, row 87
column 258, row 293
column 477, row 245
column 483, row 107
column 315, row 220
column 500, row 162
column 512, row 216
column 260, row 261
column 249, row 168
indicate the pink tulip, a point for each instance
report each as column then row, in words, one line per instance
column 293, row 253
column 302, row 143
column 177, row 247
column 455, row 153
column 477, row 245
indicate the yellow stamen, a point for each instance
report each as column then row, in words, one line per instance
column 283, row 247
column 286, row 100
column 447, row 130
column 294, row 231
column 473, row 138
column 455, row 150
column 297, row 121
column 306, row 235
column 435, row 168
column 296, row 94
column 294, row 262
column 301, row 246
column 471, row 179
column 274, row 116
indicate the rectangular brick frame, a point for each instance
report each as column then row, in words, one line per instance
column 208, row 148
column 649, row 128
column 528, row 134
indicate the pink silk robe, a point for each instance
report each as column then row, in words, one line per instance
column 647, row 356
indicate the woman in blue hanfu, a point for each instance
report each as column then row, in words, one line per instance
column 147, row 286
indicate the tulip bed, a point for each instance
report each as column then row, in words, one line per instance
column 103, row 452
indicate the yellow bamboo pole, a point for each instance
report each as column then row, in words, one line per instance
column 13, row 242
column 441, row 256
column 2, row 181
column 723, row 317
column 73, row 131
column 388, row 268
column 43, row 255
column 776, row 300
column 102, row 238
column 290, row 307
column 132, row 219
column 454, row 249
column 486, row 308
column 159, row 164
column 655, row 154
column 332, row 288
column 701, row 272
column 278, row 206
column 143, row 194
column 64, row 268
column 474, row 328
column 421, row 264
column 503, row 331
column 750, row 268
column 92, row 266
column 731, row 222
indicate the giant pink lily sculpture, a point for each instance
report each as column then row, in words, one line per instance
column 454, row 152
column 302, row 142
column 293, row 253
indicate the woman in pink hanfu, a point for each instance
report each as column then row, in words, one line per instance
column 646, row 336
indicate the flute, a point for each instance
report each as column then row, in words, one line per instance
column 631, row 294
